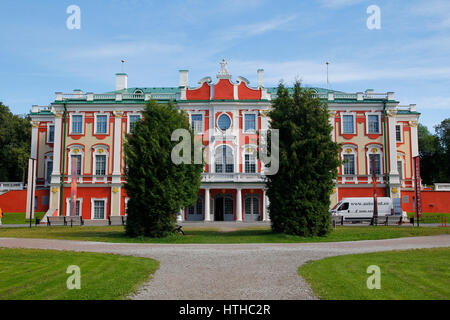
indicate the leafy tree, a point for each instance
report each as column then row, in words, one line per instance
column 15, row 139
column 299, row 192
column 434, row 152
column 157, row 187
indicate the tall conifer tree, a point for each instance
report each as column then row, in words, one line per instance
column 157, row 187
column 299, row 192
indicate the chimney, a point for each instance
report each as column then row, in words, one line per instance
column 121, row 81
column 184, row 78
column 260, row 77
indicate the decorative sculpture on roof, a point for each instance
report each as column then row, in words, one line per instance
column 223, row 73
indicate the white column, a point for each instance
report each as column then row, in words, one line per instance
column 414, row 139
column 57, row 149
column 239, row 205
column 117, row 144
column 265, row 206
column 207, row 202
column 392, row 145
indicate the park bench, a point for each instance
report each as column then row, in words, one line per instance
column 64, row 221
column 386, row 220
column 117, row 220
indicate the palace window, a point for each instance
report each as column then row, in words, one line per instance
column 377, row 158
column 373, row 124
column 48, row 171
column 249, row 123
column 51, row 133
column 102, row 124
column 224, row 122
column 100, row 165
column 197, row 208
column 398, row 133
column 99, row 208
column 77, row 158
column 133, row 119
column 400, row 169
column 349, row 164
column 197, row 123
column 77, row 124
column 78, row 205
column 347, row 124
column 250, row 163
column 224, row 160
column 251, row 205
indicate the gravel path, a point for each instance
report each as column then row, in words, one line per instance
column 230, row 271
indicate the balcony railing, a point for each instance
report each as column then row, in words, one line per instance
column 232, row 177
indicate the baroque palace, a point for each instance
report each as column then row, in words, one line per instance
column 227, row 114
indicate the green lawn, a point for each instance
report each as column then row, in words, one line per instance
column 214, row 235
column 19, row 217
column 27, row 274
column 405, row 275
column 428, row 217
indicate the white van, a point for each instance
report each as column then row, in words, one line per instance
column 357, row 208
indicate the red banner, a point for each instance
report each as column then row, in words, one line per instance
column 417, row 187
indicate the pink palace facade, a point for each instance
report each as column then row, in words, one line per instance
column 226, row 114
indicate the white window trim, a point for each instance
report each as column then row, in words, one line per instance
column 48, row 132
column 367, row 122
column 233, row 156
column 347, row 113
column 92, row 207
column 47, row 158
column 71, row 123
column 68, row 206
column 107, row 123
column 257, row 196
column 244, row 152
column 201, row 113
column 230, row 129
column 368, row 153
column 69, row 168
column 355, row 154
column 402, row 159
column 243, row 122
column 401, row 132
column 97, row 178
column 128, row 119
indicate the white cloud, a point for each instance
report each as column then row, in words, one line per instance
column 437, row 9
column 339, row 3
column 249, row 30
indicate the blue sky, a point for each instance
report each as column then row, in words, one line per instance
column 409, row 55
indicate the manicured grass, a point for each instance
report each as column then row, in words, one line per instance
column 428, row 217
column 214, row 235
column 28, row 274
column 405, row 275
column 19, row 217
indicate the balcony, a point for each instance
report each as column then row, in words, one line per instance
column 232, row 177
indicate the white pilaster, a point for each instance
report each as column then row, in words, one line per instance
column 392, row 145
column 57, row 149
column 239, row 205
column 117, row 146
column 265, row 206
column 180, row 217
column 414, row 139
column 207, row 202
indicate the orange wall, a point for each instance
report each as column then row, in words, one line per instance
column 16, row 201
column 432, row 201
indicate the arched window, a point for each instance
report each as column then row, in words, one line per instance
column 224, row 159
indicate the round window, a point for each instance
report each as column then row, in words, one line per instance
column 224, row 122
